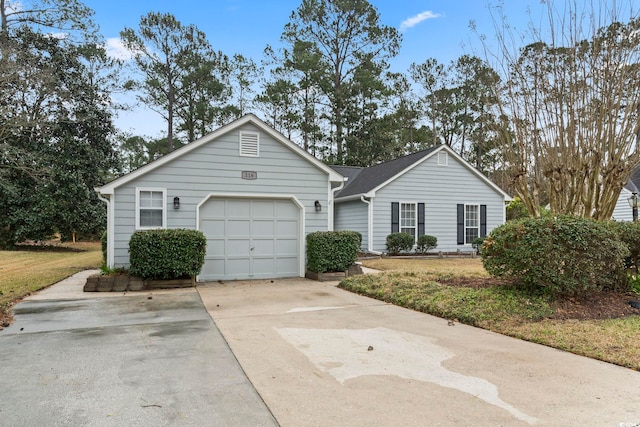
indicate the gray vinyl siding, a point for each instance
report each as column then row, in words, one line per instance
column 622, row 211
column 353, row 216
column 216, row 167
column 441, row 189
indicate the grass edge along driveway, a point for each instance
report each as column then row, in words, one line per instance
column 415, row 284
column 23, row 272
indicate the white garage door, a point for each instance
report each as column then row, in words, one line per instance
column 250, row 239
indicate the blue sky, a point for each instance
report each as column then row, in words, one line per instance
column 435, row 28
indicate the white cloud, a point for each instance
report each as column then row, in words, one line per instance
column 117, row 50
column 415, row 20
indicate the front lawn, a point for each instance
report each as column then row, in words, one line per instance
column 23, row 272
column 602, row 326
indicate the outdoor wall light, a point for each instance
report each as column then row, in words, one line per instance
column 634, row 202
column 318, row 206
column 176, row 203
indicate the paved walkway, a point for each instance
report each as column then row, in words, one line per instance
column 121, row 359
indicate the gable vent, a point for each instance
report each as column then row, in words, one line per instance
column 443, row 159
column 249, row 144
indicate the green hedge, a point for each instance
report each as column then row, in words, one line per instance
column 166, row 254
column 398, row 242
column 565, row 254
column 629, row 234
column 332, row 250
column 426, row 243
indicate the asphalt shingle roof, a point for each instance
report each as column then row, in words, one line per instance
column 363, row 180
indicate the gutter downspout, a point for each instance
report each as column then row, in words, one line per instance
column 110, row 237
column 369, row 226
column 332, row 205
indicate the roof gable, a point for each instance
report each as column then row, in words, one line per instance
column 373, row 178
column 246, row 119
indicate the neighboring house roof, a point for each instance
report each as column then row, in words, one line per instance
column 368, row 180
column 349, row 172
column 246, row 119
column 633, row 185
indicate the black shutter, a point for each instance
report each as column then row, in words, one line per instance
column 420, row 219
column 461, row 224
column 395, row 217
column 483, row 220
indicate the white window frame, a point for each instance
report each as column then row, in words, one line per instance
column 246, row 150
column 415, row 218
column 138, row 207
column 443, row 158
column 466, row 226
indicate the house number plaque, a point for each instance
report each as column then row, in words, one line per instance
column 249, row 175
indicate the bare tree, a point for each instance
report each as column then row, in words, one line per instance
column 570, row 103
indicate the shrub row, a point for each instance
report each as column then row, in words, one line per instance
column 166, row 254
column 565, row 254
column 332, row 250
column 403, row 242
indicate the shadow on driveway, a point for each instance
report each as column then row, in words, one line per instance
column 140, row 359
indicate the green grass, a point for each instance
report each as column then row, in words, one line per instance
column 505, row 309
column 25, row 272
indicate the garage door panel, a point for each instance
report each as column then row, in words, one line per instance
column 287, row 228
column 238, row 209
column 287, row 267
column 264, row 228
column 264, row 209
column 250, row 238
column 212, row 227
column 238, row 247
column 213, row 207
column 287, row 210
column 262, row 247
column 215, row 248
column 287, row 247
column 238, row 227
column 212, row 267
column 263, row 266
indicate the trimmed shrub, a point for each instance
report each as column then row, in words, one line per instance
column 103, row 244
column 426, row 243
column 476, row 244
column 397, row 242
column 565, row 254
column 629, row 234
column 332, row 250
column 166, row 254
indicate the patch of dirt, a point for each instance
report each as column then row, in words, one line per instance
column 593, row 306
column 5, row 319
column 596, row 305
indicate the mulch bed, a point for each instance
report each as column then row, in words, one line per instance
column 595, row 305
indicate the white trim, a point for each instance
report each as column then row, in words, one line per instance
column 110, row 261
column 138, row 190
column 465, row 221
column 370, row 225
column 246, row 119
column 303, row 238
column 415, row 211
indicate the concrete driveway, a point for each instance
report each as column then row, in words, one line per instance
column 320, row 356
column 143, row 359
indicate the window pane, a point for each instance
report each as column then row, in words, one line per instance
column 470, row 235
column 151, row 199
column 150, row 218
column 471, row 216
column 408, row 215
